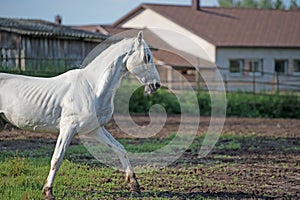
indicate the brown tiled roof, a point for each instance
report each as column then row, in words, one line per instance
column 114, row 30
column 232, row 27
column 102, row 29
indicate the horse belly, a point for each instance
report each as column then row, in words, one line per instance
column 31, row 103
column 34, row 119
column 32, row 116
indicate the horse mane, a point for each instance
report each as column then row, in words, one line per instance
column 99, row 49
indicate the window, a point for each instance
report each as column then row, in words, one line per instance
column 255, row 67
column 297, row 67
column 236, row 66
column 281, row 66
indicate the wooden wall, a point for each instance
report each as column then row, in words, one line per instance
column 36, row 53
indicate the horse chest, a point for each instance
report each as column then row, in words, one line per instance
column 104, row 110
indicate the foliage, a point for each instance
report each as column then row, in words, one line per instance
column 279, row 5
column 294, row 5
column 248, row 4
column 263, row 4
column 141, row 103
column 268, row 4
column 241, row 104
column 263, row 105
column 40, row 73
column 226, row 3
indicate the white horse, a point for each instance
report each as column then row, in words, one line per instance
column 78, row 101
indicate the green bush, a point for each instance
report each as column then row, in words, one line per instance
column 263, row 105
column 141, row 103
column 239, row 104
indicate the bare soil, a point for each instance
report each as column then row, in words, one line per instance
column 233, row 125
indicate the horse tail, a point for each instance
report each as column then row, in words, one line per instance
column 2, row 123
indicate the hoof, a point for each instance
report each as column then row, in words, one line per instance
column 47, row 191
column 134, row 185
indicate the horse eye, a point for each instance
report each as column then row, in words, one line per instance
column 147, row 58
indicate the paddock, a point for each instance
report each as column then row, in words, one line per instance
column 254, row 158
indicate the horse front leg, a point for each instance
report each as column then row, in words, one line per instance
column 119, row 149
column 62, row 143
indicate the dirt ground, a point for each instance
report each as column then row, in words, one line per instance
column 263, row 127
column 266, row 166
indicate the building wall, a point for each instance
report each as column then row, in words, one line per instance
column 173, row 34
column 9, row 49
column 36, row 53
column 268, row 79
column 185, row 40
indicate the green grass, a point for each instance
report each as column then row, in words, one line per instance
column 25, row 178
column 148, row 145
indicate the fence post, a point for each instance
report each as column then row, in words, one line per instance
column 277, row 82
column 225, row 83
column 198, row 80
column 253, row 82
column 198, row 75
column 254, row 90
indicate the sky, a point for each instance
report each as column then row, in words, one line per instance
column 80, row 12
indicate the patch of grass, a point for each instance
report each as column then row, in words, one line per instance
column 230, row 145
column 21, row 178
column 148, row 145
column 14, row 167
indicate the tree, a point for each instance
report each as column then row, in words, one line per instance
column 294, row 5
column 279, row 5
column 266, row 4
column 249, row 4
column 226, row 3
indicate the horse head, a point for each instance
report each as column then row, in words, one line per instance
column 139, row 62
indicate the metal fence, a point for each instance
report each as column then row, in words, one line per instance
column 259, row 82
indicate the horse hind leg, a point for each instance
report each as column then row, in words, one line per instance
column 119, row 149
column 4, row 123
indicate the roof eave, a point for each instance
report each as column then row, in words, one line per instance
column 129, row 15
column 260, row 46
column 74, row 36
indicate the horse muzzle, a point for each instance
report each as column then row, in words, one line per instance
column 151, row 87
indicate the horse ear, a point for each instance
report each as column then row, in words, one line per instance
column 140, row 37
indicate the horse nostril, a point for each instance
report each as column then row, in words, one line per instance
column 157, row 85
column 154, row 86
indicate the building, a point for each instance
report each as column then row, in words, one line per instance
column 37, row 45
column 255, row 49
column 176, row 68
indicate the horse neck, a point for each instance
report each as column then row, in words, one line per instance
column 106, row 71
